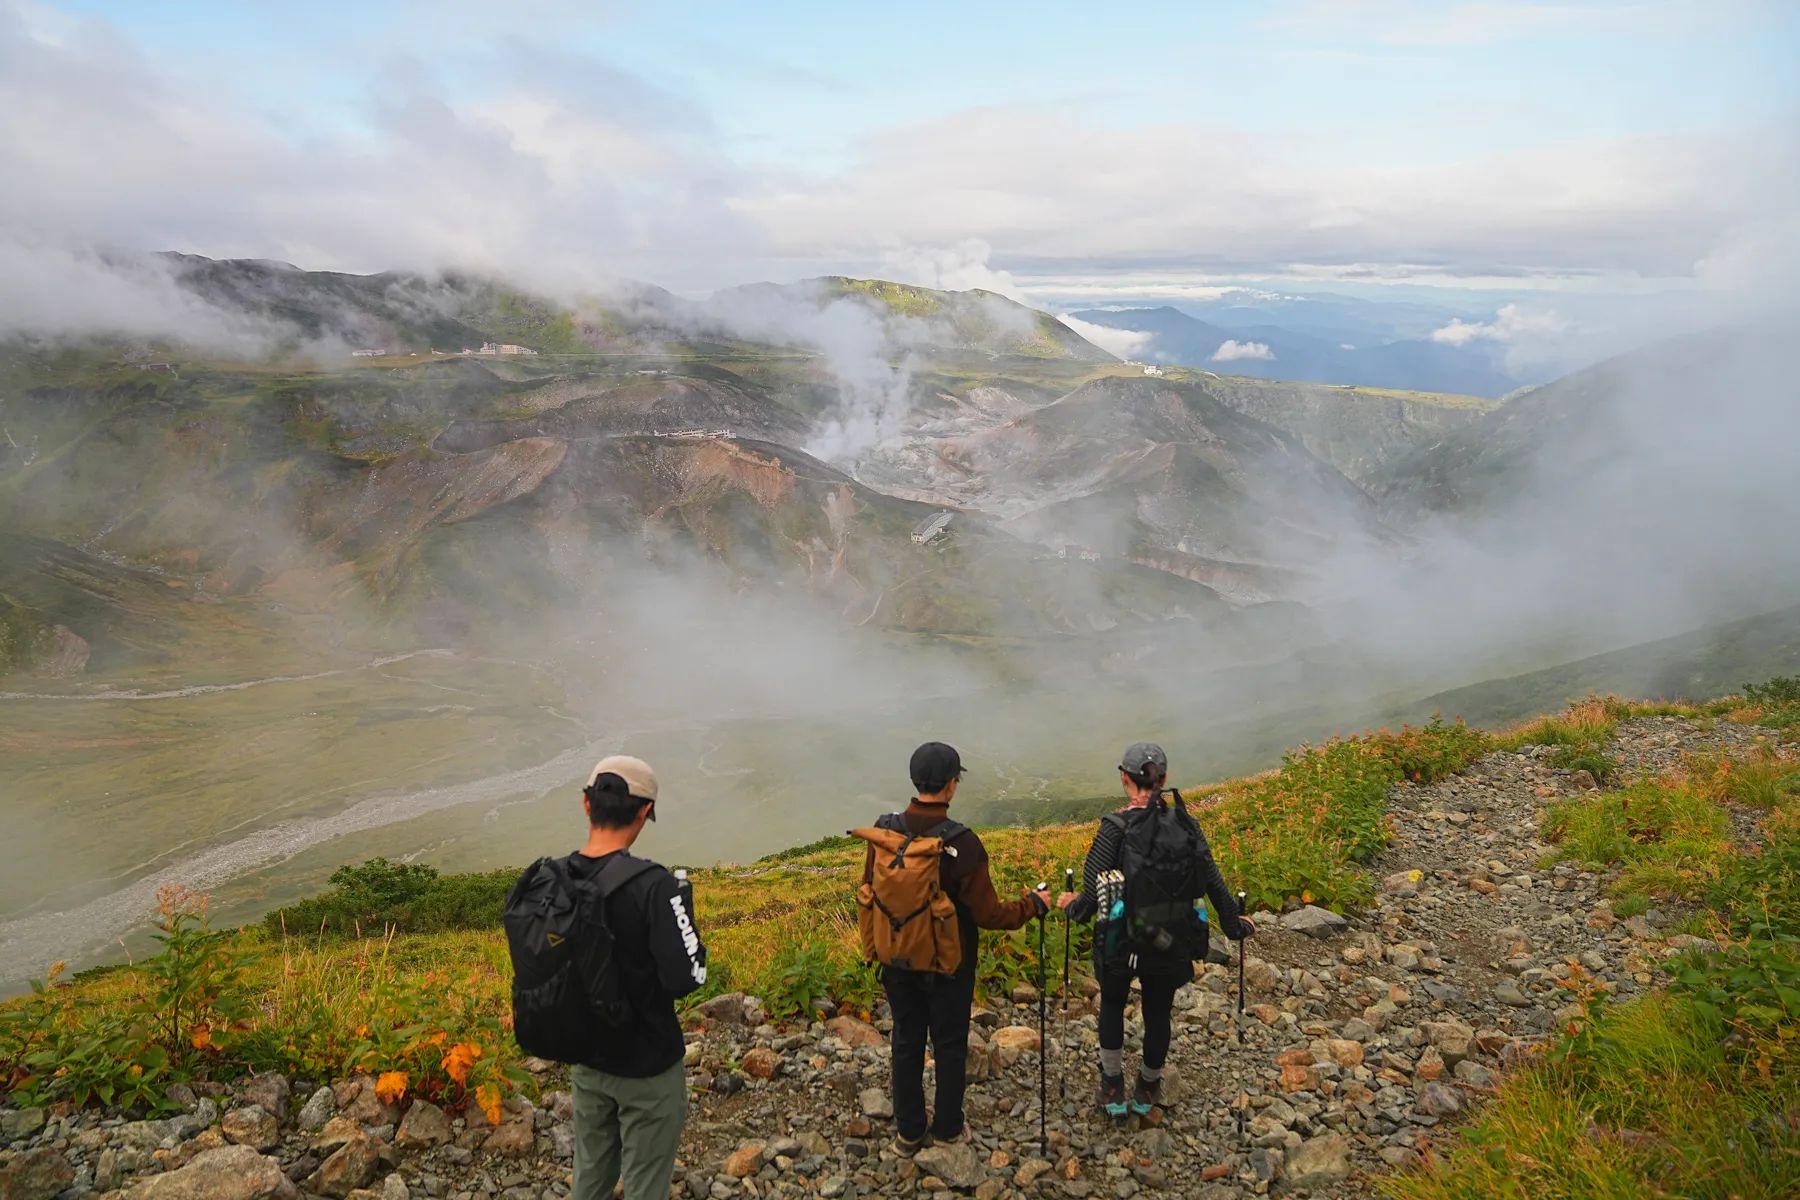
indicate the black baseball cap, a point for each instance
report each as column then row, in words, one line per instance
column 934, row 765
column 1144, row 761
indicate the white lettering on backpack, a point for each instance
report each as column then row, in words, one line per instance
column 690, row 941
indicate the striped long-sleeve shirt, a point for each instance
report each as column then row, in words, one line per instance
column 1107, row 854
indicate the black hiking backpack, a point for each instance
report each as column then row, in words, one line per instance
column 567, row 994
column 1160, row 854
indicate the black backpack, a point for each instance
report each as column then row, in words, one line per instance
column 567, row 995
column 1160, row 856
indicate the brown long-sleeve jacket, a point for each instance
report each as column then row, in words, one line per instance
column 966, row 881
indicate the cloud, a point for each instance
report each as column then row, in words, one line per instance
column 1124, row 343
column 1510, row 324
column 1415, row 23
column 564, row 170
column 1187, row 198
column 559, row 168
column 1231, row 351
column 957, row 268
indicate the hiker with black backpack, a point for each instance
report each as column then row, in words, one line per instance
column 602, row 945
column 925, row 892
column 1147, row 866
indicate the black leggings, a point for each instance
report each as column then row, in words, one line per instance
column 1159, row 999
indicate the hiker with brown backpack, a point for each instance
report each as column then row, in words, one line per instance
column 925, row 893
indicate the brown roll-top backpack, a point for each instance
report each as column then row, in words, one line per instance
column 906, row 918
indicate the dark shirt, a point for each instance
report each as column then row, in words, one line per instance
column 965, row 879
column 657, row 949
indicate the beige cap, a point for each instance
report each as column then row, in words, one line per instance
column 634, row 771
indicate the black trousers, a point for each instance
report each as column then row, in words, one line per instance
column 935, row 1007
column 1159, row 989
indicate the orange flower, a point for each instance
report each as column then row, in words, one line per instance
column 391, row 1086
column 458, row 1059
column 202, row 1037
column 488, row 1096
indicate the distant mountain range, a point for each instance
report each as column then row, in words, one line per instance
column 1322, row 347
column 465, row 495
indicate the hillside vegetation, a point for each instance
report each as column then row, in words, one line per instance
column 398, row 969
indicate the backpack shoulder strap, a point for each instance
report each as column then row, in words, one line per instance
column 946, row 829
column 619, row 872
column 892, row 822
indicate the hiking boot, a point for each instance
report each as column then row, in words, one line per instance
column 1145, row 1095
column 1112, row 1095
column 906, row 1147
column 961, row 1135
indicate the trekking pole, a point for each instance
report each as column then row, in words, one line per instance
column 1043, row 1044
column 1243, row 949
column 1062, row 1083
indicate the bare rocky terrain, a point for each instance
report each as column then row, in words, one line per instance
column 1362, row 1040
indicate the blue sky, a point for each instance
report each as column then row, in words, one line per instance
column 804, row 81
column 1059, row 148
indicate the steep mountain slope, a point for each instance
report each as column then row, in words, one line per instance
column 1679, row 407
column 1156, row 471
column 445, row 500
column 912, row 317
column 1273, row 351
column 1354, row 429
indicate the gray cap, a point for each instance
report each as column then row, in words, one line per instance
column 1144, row 759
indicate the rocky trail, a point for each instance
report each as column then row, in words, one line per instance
column 1362, row 1041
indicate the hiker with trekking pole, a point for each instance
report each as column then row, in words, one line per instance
column 926, row 890
column 1147, row 866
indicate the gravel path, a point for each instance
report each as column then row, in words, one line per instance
column 1361, row 1041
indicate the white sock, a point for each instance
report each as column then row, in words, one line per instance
column 1112, row 1062
column 1152, row 1074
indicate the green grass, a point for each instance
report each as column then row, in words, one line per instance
column 1690, row 1092
column 1650, row 1102
column 1667, row 833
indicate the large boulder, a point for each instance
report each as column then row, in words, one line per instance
column 1319, row 1161
column 729, row 1008
column 1260, row 977
column 228, row 1173
column 366, row 1107
column 1010, row 1042
column 251, row 1126
column 1452, row 1039
column 425, row 1124
column 955, row 1164
column 854, row 1033
column 1440, row 1100
column 271, row 1092
column 35, row 1175
column 318, row 1109
column 1315, row 922
column 349, row 1167
column 761, row 1063
column 746, row 1160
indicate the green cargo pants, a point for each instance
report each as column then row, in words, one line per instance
column 629, row 1127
